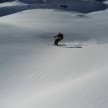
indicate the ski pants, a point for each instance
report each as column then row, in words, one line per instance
column 56, row 41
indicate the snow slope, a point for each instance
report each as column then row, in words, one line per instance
column 12, row 7
column 72, row 5
column 34, row 74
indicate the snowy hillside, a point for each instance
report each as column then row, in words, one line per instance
column 67, row 5
column 12, row 7
column 34, row 74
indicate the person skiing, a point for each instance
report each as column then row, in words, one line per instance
column 58, row 38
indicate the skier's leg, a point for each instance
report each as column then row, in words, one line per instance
column 56, row 42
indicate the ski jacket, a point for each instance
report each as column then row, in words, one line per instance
column 59, row 36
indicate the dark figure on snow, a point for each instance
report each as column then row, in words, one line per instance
column 58, row 38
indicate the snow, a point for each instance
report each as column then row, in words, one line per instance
column 8, row 8
column 10, row 4
column 34, row 74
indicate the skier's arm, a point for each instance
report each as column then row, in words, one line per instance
column 55, row 36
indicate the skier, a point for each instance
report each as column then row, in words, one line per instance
column 58, row 38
